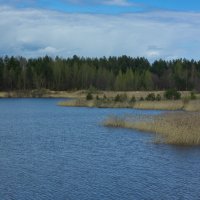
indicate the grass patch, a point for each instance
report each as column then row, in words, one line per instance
column 98, row 103
column 77, row 103
column 192, row 105
column 179, row 128
column 160, row 105
column 138, row 100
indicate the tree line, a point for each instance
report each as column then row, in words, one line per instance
column 114, row 73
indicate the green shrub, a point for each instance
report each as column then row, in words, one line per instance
column 39, row 92
column 151, row 97
column 193, row 95
column 121, row 97
column 117, row 97
column 172, row 94
column 92, row 89
column 141, row 99
column 89, row 96
column 133, row 99
column 97, row 97
column 158, row 97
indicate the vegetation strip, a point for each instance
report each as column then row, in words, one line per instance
column 179, row 128
column 168, row 100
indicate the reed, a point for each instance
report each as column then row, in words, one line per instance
column 193, row 105
column 115, row 121
column 179, row 128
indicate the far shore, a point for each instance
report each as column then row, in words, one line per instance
column 77, row 93
column 105, row 99
column 193, row 105
column 42, row 94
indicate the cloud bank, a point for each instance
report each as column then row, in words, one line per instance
column 34, row 32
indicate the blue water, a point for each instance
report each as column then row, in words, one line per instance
column 49, row 152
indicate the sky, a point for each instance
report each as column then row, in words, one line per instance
column 155, row 29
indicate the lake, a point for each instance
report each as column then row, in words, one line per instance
column 49, row 152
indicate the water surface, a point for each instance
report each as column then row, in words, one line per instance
column 51, row 152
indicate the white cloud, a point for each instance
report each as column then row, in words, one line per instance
column 32, row 33
column 117, row 2
column 106, row 2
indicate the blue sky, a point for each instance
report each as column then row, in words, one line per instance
column 155, row 29
column 107, row 6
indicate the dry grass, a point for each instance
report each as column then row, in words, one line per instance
column 77, row 103
column 180, row 128
column 115, row 121
column 138, row 94
column 47, row 94
column 159, row 105
column 83, row 93
column 80, row 96
column 3, row 94
column 192, row 106
column 95, row 103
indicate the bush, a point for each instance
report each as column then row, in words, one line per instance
column 39, row 92
column 121, row 97
column 158, row 97
column 117, row 97
column 89, row 96
column 172, row 94
column 193, row 95
column 92, row 89
column 97, row 97
column 133, row 99
column 141, row 99
column 151, row 97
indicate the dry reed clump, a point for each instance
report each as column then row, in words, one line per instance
column 114, row 121
column 181, row 128
column 193, row 105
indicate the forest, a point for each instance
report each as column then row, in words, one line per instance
column 113, row 73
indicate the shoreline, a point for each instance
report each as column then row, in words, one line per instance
column 78, row 93
column 41, row 94
column 180, row 128
column 106, row 99
column 168, row 105
column 176, row 128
